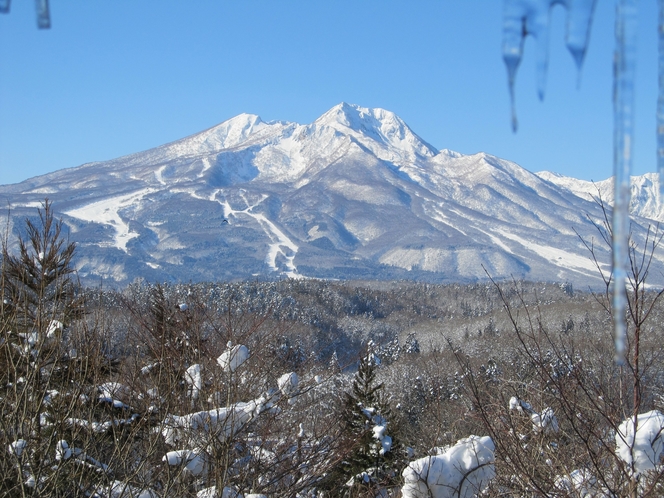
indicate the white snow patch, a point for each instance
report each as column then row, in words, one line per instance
column 559, row 257
column 496, row 240
column 41, row 190
column 195, row 461
column 437, row 214
column 193, row 377
column 580, row 482
column 106, row 212
column 17, row 447
column 288, row 383
column 545, row 421
column 33, row 204
column 159, row 175
column 197, row 428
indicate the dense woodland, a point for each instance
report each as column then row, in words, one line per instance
column 322, row 388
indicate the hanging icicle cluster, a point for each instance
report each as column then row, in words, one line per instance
column 43, row 15
column 531, row 17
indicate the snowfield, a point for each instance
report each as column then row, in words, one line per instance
column 107, row 212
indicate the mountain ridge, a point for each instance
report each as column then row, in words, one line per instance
column 354, row 194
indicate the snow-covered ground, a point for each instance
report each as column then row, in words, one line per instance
column 557, row 256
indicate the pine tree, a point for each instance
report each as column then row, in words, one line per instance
column 37, row 287
column 40, row 300
column 369, row 461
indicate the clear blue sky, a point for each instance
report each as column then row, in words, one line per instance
column 112, row 77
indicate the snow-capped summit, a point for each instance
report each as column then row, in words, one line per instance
column 379, row 127
column 355, row 194
column 229, row 133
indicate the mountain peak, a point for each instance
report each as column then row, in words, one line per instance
column 356, row 117
column 232, row 131
column 365, row 120
column 376, row 124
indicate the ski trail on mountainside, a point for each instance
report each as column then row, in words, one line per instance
column 280, row 244
column 107, row 212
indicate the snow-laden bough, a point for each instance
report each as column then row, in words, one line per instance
column 200, row 428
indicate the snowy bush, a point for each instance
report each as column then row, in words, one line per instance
column 193, row 377
column 463, row 471
column 233, row 357
column 545, row 421
column 641, row 448
column 580, row 482
column 193, row 461
column 221, row 423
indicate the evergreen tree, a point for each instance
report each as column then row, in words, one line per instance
column 39, row 296
column 40, row 300
column 37, row 283
column 370, row 458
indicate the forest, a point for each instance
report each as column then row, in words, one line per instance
column 312, row 388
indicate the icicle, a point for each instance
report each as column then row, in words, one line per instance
column 579, row 20
column 43, row 16
column 660, row 104
column 531, row 17
column 623, row 107
column 514, row 33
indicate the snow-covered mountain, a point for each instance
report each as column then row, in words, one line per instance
column 645, row 201
column 355, row 194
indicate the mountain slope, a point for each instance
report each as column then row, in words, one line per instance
column 644, row 203
column 355, row 194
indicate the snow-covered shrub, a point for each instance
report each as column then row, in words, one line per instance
column 194, row 461
column 545, row 421
column 463, row 471
column 233, row 357
column 288, row 383
column 221, row 423
column 193, row 377
column 580, row 482
column 641, row 448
